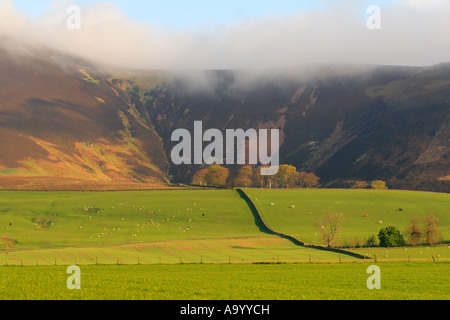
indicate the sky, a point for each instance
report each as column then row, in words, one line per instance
column 190, row 14
column 249, row 34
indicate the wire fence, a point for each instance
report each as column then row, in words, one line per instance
column 57, row 260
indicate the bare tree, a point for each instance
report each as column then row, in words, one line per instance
column 330, row 226
column 432, row 232
column 413, row 232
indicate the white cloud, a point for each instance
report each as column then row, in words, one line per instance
column 426, row 4
column 410, row 35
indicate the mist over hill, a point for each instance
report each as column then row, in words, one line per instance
column 343, row 122
column 62, row 116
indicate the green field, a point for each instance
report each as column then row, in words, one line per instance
column 313, row 205
column 213, row 226
column 399, row 281
column 206, row 244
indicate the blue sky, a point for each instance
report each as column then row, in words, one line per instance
column 194, row 13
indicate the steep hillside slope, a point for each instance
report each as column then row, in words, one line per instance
column 63, row 117
column 346, row 123
column 60, row 117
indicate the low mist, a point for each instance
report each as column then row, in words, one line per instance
column 413, row 32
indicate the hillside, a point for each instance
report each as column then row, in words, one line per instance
column 345, row 123
column 63, row 117
column 60, row 117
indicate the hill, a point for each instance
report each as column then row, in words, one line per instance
column 60, row 117
column 64, row 117
column 345, row 123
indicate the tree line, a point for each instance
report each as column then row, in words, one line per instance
column 287, row 177
column 330, row 226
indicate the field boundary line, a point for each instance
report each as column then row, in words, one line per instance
column 264, row 228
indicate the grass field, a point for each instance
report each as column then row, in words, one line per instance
column 50, row 228
column 399, row 281
column 313, row 205
column 206, row 244
column 62, row 219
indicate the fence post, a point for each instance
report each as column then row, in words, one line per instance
column 310, row 259
column 201, row 259
column 375, row 257
column 340, row 258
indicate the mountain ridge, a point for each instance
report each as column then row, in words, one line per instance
column 62, row 116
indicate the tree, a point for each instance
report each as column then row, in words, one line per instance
column 379, row 185
column 306, row 180
column 244, row 177
column 391, row 237
column 371, row 241
column 199, row 177
column 285, row 175
column 360, row 185
column 311, row 180
column 413, row 232
column 432, row 233
column 330, row 227
column 217, row 175
column 259, row 180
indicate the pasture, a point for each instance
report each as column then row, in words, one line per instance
column 365, row 211
column 347, row 281
column 147, row 227
column 207, row 245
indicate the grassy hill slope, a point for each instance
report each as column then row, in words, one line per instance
column 363, row 211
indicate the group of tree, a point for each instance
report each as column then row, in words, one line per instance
column 392, row 237
column 430, row 232
column 287, row 177
column 377, row 185
column 331, row 226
